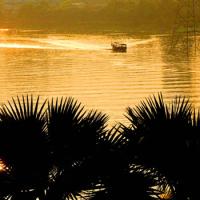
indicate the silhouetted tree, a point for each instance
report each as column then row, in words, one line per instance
column 73, row 135
column 65, row 152
column 23, row 149
column 165, row 138
column 130, row 15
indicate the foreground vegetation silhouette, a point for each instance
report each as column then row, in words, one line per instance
column 57, row 150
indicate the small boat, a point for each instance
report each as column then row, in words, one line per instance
column 118, row 47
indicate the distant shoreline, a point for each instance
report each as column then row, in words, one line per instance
column 76, row 30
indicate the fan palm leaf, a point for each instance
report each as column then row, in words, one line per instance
column 72, row 130
column 23, row 147
column 159, row 135
column 73, row 135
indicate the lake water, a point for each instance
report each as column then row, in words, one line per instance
column 84, row 67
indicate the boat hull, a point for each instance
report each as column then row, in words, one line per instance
column 118, row 47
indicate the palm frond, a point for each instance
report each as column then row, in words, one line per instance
column 64, row 118
column 167, row 129
column 65, row 109
column 181, row 109
column 152, row 109
column 23, row 144
column 196, row 119
column 73, row 135
column 91, row 127
column 114, row 139
column 71, row 128
column 21, row 110
column 97, row 121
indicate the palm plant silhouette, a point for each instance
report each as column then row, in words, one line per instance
column 58, row 150
column 164, row 137
column 45, row 151
column 90, row 159
column 73, row 135
column 23, row 147
column 193, row 165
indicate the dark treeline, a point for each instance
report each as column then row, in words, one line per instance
column 114, row 15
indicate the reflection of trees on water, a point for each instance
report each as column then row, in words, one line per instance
column 185, row 30
column 185, row 45
column 177, row 69
column 176, row 55
column 181, row 52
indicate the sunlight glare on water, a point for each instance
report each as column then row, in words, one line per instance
column 3, row 167
column 15, row 45
column 84, row 67
column 72, row 45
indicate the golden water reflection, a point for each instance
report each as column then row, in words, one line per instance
column 83, row 66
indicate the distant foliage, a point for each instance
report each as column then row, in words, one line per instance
column 127, row 15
